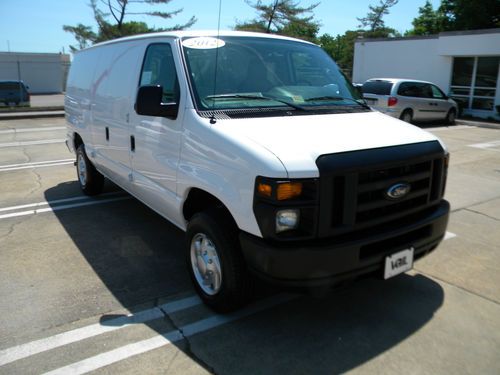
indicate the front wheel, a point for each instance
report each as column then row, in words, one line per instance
column 91, row 181
column 215, row 261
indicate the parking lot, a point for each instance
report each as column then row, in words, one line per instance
column 99, row 284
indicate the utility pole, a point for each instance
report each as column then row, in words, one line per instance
column 8, row 45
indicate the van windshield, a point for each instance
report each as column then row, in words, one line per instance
column 255, row 72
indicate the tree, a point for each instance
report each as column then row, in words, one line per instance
column 284, row 17
column 470, row 14
column 374, row 18
column 118, row 10
column 428, row 21
column 456, row 15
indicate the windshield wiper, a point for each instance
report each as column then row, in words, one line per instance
column 326, row 97
column 255, row 97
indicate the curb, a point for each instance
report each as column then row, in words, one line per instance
column 28, row 115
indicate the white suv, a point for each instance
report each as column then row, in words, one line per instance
column 409, row 100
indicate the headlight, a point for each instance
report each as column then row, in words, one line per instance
column 286, row 209
column 287, row 220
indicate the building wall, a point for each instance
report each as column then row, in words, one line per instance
column 42, row 72
column 414, row 58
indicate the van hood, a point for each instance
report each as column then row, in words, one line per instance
column 297, row 141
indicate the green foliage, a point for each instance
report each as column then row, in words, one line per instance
column 284, row 17
column 456, row 15
column 117, row 10
column 470, row 14
column 428, row 21
column 374, row 18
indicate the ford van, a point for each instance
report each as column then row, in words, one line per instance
column 261, row 150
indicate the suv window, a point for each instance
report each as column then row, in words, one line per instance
column 159, row 69
column 437, row 93
column 415, row 89
column 377, row 87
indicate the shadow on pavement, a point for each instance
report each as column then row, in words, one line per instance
column 138, row 256
column 327, row 335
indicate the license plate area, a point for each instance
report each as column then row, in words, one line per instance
column 399, row 262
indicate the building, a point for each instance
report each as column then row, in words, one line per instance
column 44, row 73
column 465, row 64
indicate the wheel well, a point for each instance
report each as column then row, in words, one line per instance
column 199, row 200
column 77, row 141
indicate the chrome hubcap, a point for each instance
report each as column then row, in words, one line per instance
column 205, row 264
column 407, row 117
column 82, row 170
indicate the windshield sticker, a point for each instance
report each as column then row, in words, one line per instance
column 203, row 42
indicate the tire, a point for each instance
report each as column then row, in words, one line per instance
column 90, row 180
column 407, row 116
column 215, row 261
column 451, row 116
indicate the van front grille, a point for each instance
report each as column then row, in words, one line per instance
column 354, row 185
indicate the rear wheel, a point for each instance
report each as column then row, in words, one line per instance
column 451, row 117
column 215, row 261
column 91, row 181
column 407, row 116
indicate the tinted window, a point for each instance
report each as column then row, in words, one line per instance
column 159, row 69
column 10, row 86
column 462, row 71
column 415, row 89
column 377, row 87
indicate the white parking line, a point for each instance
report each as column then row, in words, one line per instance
column 26, row 350
column 62, row 207
column 30, row 130
column 449, row 235
column 487, row 145
column 40, row 164
column 31, row 143
column 127, row 351
column 57, row 201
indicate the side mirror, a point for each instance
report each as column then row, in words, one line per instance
column 149, row 103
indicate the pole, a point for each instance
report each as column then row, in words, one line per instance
column 19, row 79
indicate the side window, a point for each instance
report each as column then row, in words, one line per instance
column 159, row 69
column 426, row 90
column 410, row 89
column 437, row 93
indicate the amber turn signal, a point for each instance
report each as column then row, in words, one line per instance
column 265, row 189
column 288, row 190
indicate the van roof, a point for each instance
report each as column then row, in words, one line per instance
column 196, row 33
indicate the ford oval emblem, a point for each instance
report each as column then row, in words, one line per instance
column 398, row 191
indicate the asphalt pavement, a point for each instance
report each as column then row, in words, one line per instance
column 99, row 284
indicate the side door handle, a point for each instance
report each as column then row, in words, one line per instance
column 132, row 143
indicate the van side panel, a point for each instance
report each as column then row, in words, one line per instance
column 77, row 101
column 114, row 88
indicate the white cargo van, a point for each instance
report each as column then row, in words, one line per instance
column 263, row 152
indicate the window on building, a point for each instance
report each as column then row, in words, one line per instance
column 474, row 81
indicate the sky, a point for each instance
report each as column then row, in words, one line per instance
column 36, row 25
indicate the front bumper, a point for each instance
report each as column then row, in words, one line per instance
column 327, row 262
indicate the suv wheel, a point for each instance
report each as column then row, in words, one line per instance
column 407, row 116
column 215, row 261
